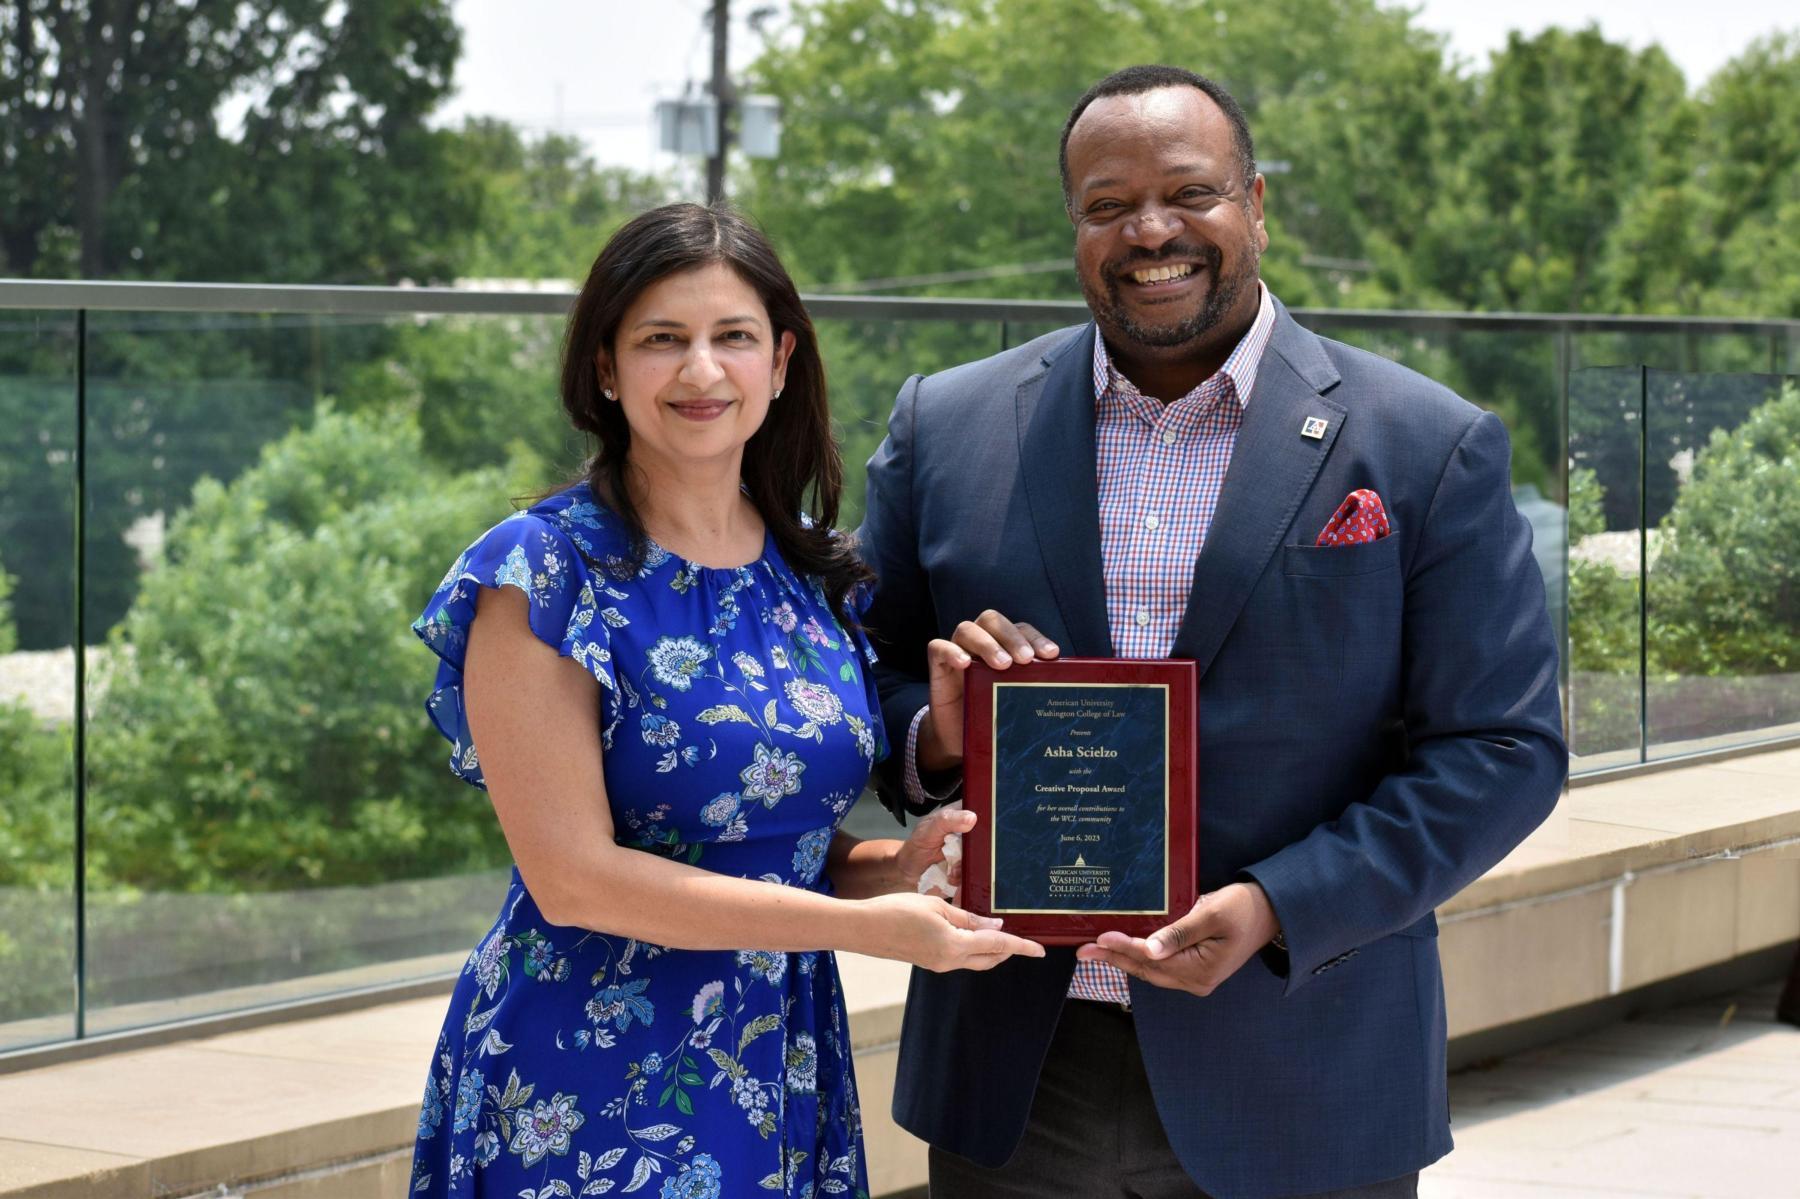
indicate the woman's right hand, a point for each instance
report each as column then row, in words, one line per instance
column 925, row 847
column 998, row 642
column 938, row 936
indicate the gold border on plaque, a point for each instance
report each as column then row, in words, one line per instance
column 994, row 806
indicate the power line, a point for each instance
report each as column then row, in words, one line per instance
column 965, row 276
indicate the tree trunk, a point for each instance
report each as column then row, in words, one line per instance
column 93, row 170
column 20, row 226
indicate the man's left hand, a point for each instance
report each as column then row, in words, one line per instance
column 1198, row 952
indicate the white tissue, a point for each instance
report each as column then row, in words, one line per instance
column 936, row 878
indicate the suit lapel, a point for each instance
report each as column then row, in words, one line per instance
column 1272, row 467
column 1056, row 445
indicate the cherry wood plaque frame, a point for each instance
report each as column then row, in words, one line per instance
column 1181, row 801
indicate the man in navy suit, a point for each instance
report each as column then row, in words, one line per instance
column 1379, row 721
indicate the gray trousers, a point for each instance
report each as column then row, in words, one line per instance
column 1094, row 1132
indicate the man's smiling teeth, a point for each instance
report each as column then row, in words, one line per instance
column 1163, row 274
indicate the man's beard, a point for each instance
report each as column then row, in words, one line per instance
column 1109, row 310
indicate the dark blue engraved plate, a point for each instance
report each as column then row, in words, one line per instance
column 1080, row 786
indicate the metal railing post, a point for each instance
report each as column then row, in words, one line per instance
column 1643, row 564
column 78, row 746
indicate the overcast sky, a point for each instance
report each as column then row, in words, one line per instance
column 595, row 68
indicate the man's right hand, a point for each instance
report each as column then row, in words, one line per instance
column 998, row 642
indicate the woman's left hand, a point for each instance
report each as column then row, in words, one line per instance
column 924, row 848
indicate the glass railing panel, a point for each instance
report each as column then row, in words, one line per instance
column 1605, row 642
column 38, row 404
column 1722, row 502
column 1672, row 348
column 866, row 362
column 272, row 499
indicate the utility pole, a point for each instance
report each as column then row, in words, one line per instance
column 707, row 123
column 723, row 95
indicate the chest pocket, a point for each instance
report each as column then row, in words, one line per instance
column 1344, row 609
column 1341, row 561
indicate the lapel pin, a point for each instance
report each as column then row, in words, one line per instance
column 1314, row 427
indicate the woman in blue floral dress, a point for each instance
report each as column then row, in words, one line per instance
column 658, row 676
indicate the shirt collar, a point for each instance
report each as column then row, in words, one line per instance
column 1240, row 365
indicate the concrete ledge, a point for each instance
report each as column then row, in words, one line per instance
column 1766, row 968
column 1645, row 879
column 1637, row 882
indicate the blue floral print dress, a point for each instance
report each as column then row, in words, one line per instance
column 738, row 725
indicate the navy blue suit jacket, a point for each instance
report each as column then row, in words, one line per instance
column 1379, row 725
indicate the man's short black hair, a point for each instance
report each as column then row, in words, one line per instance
column 1135, row 81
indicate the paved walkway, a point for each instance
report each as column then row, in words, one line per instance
column 1700, row 1101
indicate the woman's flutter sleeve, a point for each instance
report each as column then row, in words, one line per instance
column 565, row 601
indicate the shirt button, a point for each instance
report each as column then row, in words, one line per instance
column 1151, row 523
column 1169, row 437
column 1143, row 616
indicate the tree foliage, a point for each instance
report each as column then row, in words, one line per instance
column 1603, row 603
column 9, row 636
column 482, row 390
column 1563, row 129
column 116, row 107
column 548, row 209
column 1566, row 173
column 922, row 137
column 36, row 799
column 1725, row 590
column 262, row 723
column 37, row 804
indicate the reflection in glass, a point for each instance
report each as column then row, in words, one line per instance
column 269, row 499
column 866, row 362
column 273, row 498
column 37, row 677
column 1722, row 503
column 1605, row 519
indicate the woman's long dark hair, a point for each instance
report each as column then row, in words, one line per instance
column 791, row 464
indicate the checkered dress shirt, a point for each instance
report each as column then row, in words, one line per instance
column 1159, row 467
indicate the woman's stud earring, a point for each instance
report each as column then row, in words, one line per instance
column 607, row 392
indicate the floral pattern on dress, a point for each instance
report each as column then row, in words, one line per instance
column 738, row 722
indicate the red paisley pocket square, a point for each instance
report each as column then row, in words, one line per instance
column 1360, row 518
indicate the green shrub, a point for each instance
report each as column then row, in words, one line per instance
column 262, row 724
column 1603, row 606
column 1725, row 591
column 9, row 636
column 37, row 808
column 37, row 805
column 481, row 389
column 37, row 854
